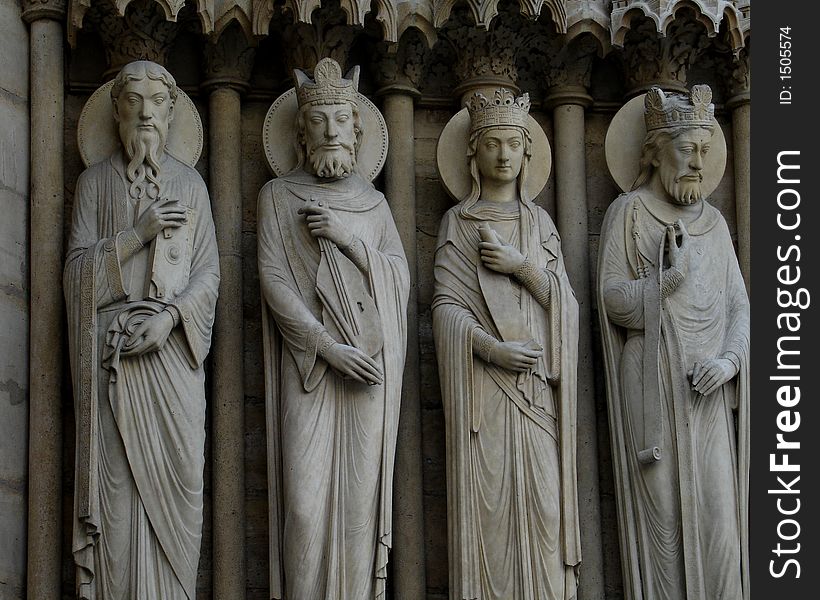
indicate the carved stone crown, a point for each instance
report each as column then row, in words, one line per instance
column 504, row 110
column 673, row 110
column 328, row 85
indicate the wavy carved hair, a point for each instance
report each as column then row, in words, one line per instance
column 140, row 69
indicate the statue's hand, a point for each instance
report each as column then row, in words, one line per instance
column 351, row 362
column 678, row 255
column 158, row 216
column 498, row 256
column 150, row 335
column 711, row 374
column 516, row 356
column 323, row 222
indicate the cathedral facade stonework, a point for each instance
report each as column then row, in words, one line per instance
column 580, row 62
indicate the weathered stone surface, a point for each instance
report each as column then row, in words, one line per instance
column 14, row 300
column 14, row 164
column 608, row 86
column 149, row 279
column 506, row 329
column 335, row 286
column 13, row 71
column 677, row 376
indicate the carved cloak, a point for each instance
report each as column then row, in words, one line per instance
column 157, row 400
column 291, row 317
column 459, row 307
column 629, row 260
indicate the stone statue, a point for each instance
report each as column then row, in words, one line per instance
column 505, row 323
column 675, row 324
column 335, row 285
column 141, row 280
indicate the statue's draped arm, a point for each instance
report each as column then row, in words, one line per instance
column 299, row 327
column 109, row 254
column 197, row 302
column 623, row 294
column 736, row 347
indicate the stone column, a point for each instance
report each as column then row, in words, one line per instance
column 228, row 66
column 740, row 105
column 47, row 325
column 398, row 94
column 568, row 98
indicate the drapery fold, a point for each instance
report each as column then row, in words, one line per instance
column 489, row 411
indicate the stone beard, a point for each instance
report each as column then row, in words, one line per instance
column 139, row 408
column 684, row 189
column 335, row 162
column 143, row 148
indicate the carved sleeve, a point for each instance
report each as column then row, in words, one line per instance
column 302, row 332
column 535, row 280
column 84, row 239
column 357, row 254
column 484, row 344
column 736, row 346
column 128, row 244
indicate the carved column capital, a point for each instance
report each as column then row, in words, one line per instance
column 650, row 59
column 569, row 70
column 327, row 35
column 34, row 10
column 739, row 85
column 228, row 62
column 484, row 58
column 143, row 33
column 397, row 68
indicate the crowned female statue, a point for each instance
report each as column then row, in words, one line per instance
column 505, row 323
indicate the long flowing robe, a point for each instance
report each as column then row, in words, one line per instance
column 331, row 440
column 683, row 518
column 140, row 420
column 511, row 476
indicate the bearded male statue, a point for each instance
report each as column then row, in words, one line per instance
column 141, row 279
column 675, row 323
column 335, row 285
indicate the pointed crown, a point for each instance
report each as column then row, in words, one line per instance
column 328, row 85
column 504, row 110
column 673, row 110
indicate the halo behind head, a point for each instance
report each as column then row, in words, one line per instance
column 453, row 165
column 624, row 145
column 279, row 132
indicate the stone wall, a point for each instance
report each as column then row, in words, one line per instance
column 431, row 203
column 14, row 298
column 86, row 69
